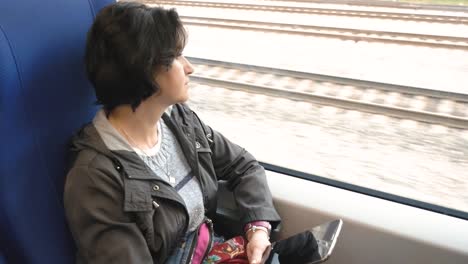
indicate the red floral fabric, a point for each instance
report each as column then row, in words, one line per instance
column 231, row 251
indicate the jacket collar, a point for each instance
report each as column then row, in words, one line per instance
column 124, row 157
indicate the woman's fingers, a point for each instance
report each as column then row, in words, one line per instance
column 257, row 253
column 256, row 247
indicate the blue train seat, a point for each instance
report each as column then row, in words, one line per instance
column 44, row 98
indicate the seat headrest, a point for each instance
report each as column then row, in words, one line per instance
column 44, row 98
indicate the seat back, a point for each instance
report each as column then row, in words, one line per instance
column 44, row 98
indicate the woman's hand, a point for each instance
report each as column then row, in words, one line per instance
column 258, row 243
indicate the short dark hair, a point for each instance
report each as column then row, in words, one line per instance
column 127, row 43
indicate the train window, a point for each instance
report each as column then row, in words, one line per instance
column 370, row 93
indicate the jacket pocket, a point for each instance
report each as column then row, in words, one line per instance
column 145, row 222
column 137, row 196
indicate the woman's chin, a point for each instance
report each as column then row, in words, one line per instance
column 184, row 99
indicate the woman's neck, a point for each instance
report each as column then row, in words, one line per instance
column 139, row 127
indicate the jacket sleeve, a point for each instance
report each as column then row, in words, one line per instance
column 102, row 231
column 245, row 177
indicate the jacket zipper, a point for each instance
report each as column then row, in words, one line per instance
column 195, row 240
column 156, row 206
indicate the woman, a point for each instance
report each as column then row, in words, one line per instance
column 142, row 187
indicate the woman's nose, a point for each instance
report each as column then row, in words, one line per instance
column 188, row 68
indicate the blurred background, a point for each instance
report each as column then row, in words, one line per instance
column 371, row 93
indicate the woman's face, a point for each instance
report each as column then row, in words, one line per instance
column 174, row 82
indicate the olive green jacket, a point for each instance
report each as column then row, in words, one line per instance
column 119, row 211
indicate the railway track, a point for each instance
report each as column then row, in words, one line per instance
column 431, row 106
column 385, row 4
column 333, row 32
column 320, row 11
